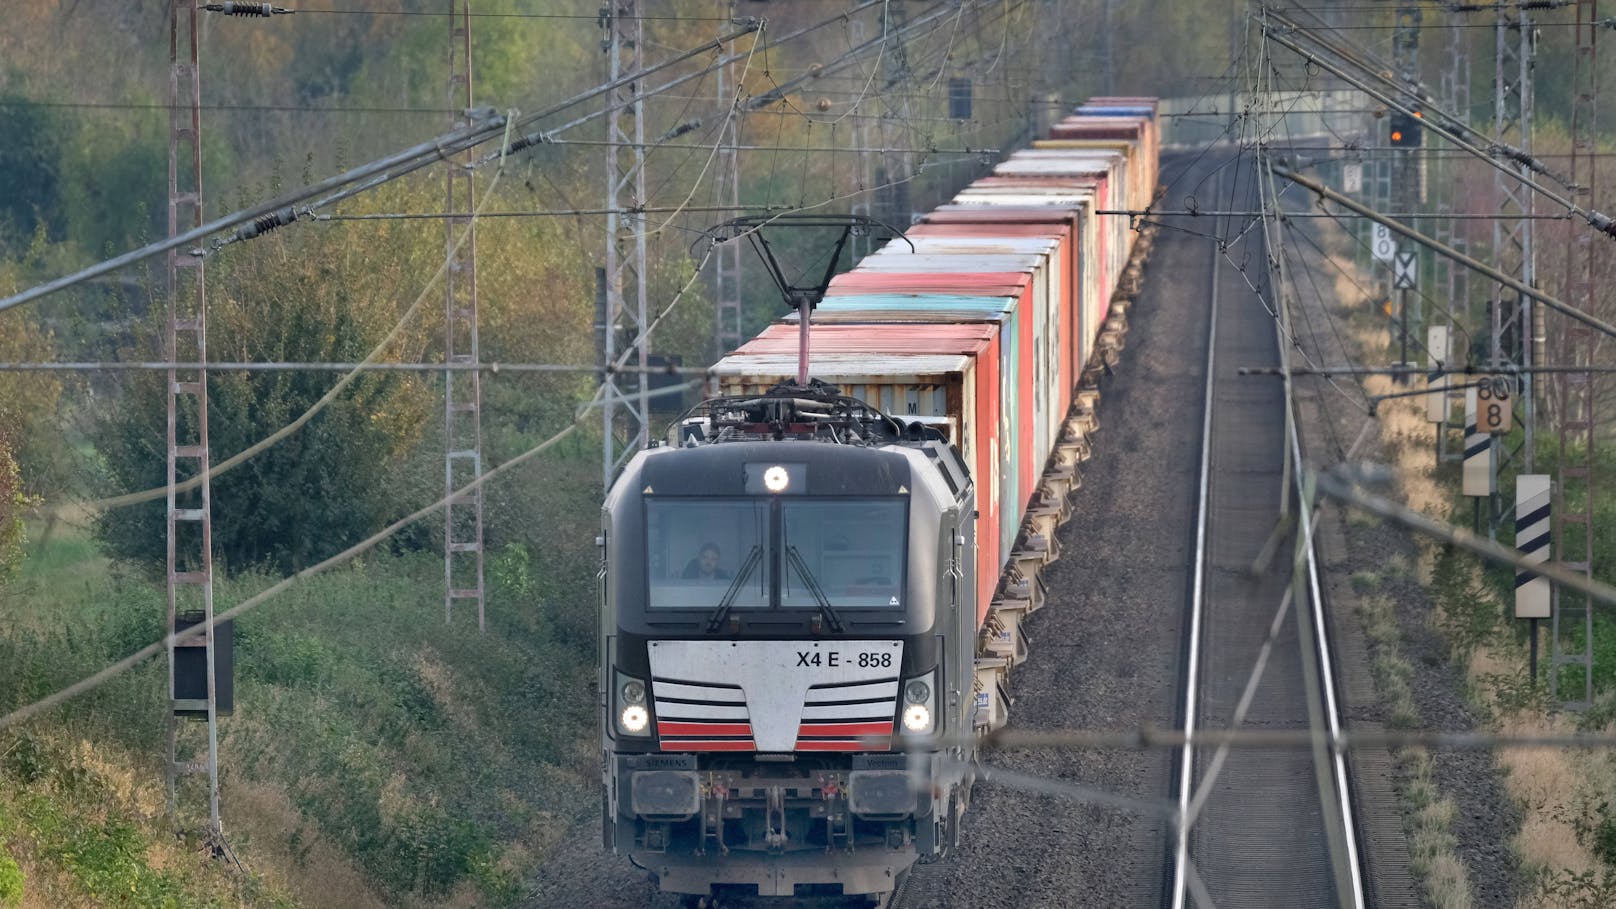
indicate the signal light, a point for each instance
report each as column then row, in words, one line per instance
column 1405, row 132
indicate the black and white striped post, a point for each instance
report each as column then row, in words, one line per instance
column 1480, row 479
column 1532, row 528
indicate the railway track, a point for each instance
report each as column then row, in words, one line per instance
column 1263, row 827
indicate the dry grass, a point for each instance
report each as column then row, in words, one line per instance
column 1548, row 785
column 1405, row 435
column 290, row 854
column 1431, row 845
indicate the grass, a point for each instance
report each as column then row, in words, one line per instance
column 1562, row 827
column 1363, row 581
column 75, row 833
column 1392, row 673
column 375, row 758
column 1433, row 849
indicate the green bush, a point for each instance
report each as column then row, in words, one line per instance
column 10, row 881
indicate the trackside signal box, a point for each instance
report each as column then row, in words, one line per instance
column 191, row 668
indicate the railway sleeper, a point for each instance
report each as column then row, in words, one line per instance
column 1084, row 417
column 1088, row 393
column 1034, row 550
column 1003, row 644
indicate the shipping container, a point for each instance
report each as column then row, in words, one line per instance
column 944, row 375
column 1061, row 329
column 1097, row 243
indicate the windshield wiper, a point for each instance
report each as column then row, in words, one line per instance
column 753, row 559
column 825, row 608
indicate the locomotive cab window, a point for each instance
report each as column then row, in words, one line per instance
column 853, row 551
column 697, row 548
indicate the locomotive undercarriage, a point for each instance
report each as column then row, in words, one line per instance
column 853, row 827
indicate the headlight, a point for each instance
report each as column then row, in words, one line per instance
column 917, row 692
column 632, row 707
column 919, row 700
column 776, row 478
column 634, row 692
column 635, row 718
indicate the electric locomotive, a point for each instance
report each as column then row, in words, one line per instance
column 787, row 633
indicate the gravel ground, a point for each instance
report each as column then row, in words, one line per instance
column 1105, row 650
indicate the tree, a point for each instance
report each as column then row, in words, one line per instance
column 30, row 162
column 320, row 294
column 28, row 427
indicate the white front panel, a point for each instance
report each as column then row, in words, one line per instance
column 776, row 677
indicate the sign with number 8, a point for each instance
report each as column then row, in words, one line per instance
column 1495, row 404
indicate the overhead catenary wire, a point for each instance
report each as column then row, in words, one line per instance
column 1597, row 220
column 1553, row 303
column 487, row 366
column 118, row 668
column 235, row 460
column 278, row 212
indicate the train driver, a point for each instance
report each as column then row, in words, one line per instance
column 704, row 567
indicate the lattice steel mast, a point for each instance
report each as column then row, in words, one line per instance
column 1454, row 90
column 1512, row 230
column 1573, row 614
column 189, row 522
column 462, row 390
column 625, row 273
column 727, row 256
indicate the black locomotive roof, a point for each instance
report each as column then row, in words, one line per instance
column 827, row 469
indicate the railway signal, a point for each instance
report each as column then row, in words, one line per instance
column 1405, row 129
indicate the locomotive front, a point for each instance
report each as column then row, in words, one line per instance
column 783, row 612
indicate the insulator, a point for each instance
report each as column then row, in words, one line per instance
column 1602, row 223
column 527, row 142
column 266, row 223
column 244, row 8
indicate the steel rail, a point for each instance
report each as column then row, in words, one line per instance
column 1341, row 829
column 1186, row 767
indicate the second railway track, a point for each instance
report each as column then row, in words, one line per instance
column 1265, row 827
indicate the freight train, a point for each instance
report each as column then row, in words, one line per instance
column 812, row 593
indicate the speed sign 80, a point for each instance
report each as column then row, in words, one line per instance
column 1494, row 407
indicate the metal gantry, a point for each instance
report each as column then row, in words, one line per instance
column 727, row 332
column 625, row 275
column 1453, row 279
column 462, row 389
column 1572, row 612
column 189, row 523
column 864, row 158
column 1512, row 231
column 1406, row 57
column 892, row 179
